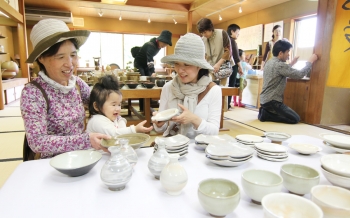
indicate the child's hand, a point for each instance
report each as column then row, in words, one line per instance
column 141, row 129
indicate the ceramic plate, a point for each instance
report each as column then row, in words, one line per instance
column 201, row 146
column 183, row 155
column 249, row 138
column 165, row 115
column 173, row 141
column 213, row 139
column 339, row 150
column 271, row 147
column 272, row 153
column 341, row 141
column 273, row 156
column 272, row 159
column 230, row 148
column 277, row 136
column 337, row 163
column 178, row 149
column 304, row 148
column 228, row 163
column 230, row 158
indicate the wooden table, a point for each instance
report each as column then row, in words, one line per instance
column 147, row 94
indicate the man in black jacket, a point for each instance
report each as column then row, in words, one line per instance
column 144, row 58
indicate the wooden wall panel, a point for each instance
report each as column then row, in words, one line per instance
column 296, row 96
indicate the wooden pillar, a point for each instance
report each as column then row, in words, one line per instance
column 189, row 22
column 325, row 22
column 22, row 42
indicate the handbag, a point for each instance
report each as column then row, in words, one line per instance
column 224, row 71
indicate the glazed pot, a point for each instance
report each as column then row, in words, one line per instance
column 160, row 82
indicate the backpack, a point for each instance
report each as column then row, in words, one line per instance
column 135, row 50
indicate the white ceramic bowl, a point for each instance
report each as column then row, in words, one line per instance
column 277, row 136
column 258, row 183
column 285, row 205
column 75, row 163
column 337, row 163
column 165, row 115
column 336, row 179
column 218, row 197
column 337, row 140
column 299, row 179
column 334, row 201
column 305, row 148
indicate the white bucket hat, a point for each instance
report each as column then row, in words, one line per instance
column 190, row 50
column 48, row 32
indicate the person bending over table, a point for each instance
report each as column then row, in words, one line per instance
column 52, row 105
column 191, row 91
column 104, row 108
column 276, row 72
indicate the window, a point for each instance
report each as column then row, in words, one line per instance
column 305, row 32
column 113, row 48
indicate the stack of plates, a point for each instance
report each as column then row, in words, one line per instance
column 202, row 141
column 250, row 140
column 338, row 143
column 229, row 154
column 177, row 144
column 271, row 151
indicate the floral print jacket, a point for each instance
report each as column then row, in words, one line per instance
column 61, row 129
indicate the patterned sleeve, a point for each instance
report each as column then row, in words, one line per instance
column 84, row 90
column 34, row 114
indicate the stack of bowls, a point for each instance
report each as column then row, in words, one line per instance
column 249, row 140
column 259, row 183
column 336, row 168
column 271, row 152
column 177, row 144
column 202, row 141
column 334, row 201
column 299, row 179
column 229, row 154
column 338, row 143
column 278, row 205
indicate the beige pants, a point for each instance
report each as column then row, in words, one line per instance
column 223, row 82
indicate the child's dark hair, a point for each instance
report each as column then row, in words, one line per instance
column 240, row 52
column 102, row 89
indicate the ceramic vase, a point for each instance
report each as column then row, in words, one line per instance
column 159, row 160
column 173, row 177
column 117, row 171
column 127, row 151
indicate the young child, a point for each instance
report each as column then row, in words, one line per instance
column 104, row 109
column 237, row 100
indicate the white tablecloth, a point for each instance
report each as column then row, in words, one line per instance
column 35, row 189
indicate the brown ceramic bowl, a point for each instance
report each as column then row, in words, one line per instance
column 8, row 74
column 148, row 85
column 132, row 85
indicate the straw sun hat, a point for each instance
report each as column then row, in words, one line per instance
column 48, row 32
column 190, row 50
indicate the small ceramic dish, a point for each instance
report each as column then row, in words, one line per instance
column 173, row 142
column 277, row 136
column 230, row 149
column 341, row 141
column 271, row 147
column 213, row 139
column 337, row 163
column 271, row 153
column 249, row 138
column 304, row 148
column 165, row 115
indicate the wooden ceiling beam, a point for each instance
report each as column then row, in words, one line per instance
column 199, row 3
column 160, row 5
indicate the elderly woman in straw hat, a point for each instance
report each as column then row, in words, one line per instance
column 52, row 106
column 191, row 91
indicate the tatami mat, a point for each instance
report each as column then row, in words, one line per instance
column 10, row 111
column 11, row 145
column 8, row 124
column 6, row 168
column 250, row 118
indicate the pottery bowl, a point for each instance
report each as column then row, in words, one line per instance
column 299, row 179
column 336, row 179
column 258, row 183
column 277, row 205
column 132, row 85
column 148, row 85
column 337, row 163
column 136, row 140
column 7, row 74
column 277, row 136
column 334, row 201
column 218, row 197
column 75, row 163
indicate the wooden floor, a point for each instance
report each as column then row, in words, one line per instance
column 238, row 121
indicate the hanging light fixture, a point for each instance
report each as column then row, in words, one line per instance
column 220, row 18
column 240, row 9
column 149, row 19
column 100, row 13
column 174, row 20
column 120, row 15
